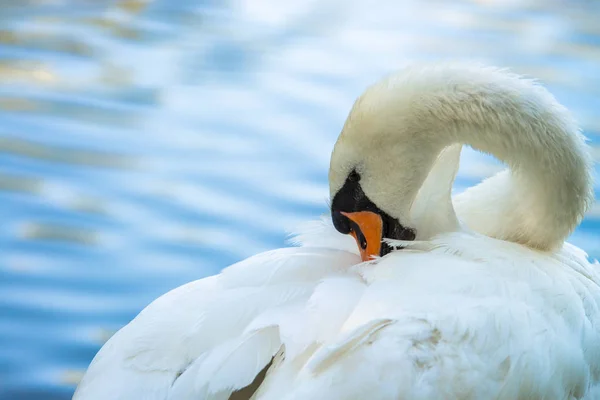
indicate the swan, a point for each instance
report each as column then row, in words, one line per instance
column 404, row 292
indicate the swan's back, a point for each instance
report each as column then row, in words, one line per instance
column 198, row 341
column 466, row 317
column 461, row 316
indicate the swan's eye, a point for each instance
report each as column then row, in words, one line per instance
column 354, row 176
column 363, row 242
column 360, row 237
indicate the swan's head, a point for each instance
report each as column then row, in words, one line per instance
column 386, row 179
column 379, row 167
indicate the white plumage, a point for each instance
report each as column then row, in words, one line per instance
column 455, row 314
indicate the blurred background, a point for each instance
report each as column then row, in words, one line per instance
column 145, row 144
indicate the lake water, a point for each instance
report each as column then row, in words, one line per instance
column 144, row 144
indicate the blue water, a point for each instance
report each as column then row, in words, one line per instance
column 144, row 144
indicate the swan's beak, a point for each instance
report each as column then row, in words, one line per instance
column 366, row 227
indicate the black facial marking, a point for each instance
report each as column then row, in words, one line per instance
column 354, row 176
column 351, row 198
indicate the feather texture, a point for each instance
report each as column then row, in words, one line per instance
column 459, row 317
column 228, row 367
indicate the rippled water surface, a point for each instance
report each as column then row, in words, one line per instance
column 144, row 144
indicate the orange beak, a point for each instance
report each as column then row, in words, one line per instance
column 366, row 228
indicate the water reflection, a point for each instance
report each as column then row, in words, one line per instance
column 144, row 144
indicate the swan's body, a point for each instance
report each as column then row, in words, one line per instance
column 453, row 315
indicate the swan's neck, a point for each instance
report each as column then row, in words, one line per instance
column 537, row 202
column 432, row 210
column 547, row 188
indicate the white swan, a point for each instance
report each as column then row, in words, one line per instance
column 513, row 313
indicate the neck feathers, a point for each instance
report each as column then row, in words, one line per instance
column 547, row 188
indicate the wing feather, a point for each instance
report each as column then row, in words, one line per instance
column 198, row 337
column 229, row 367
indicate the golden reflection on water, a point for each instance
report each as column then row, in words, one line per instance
column 16, row 104
column 58, row 232
column 27, row 72
column 46, row 38
column 20, row 184
column 46, row 41
column 31, row 149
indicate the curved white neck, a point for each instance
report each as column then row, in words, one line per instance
column 547, row 188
